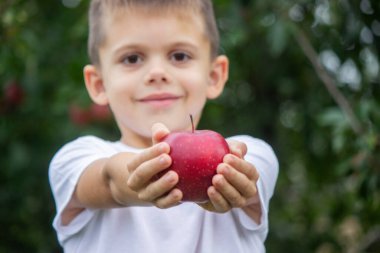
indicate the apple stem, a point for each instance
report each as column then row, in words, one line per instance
column 192, row 122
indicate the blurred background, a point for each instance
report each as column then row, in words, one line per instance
column 304, row 77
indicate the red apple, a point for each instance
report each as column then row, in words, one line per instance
column 195, row 157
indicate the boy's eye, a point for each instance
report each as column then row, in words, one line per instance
column 180, row 57
column 132, row 59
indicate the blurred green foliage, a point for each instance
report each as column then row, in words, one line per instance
column 304, row 77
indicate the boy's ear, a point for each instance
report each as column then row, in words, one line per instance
column 218, row 77
column 94, row 84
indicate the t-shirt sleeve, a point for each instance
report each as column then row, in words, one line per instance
column 262, row 156
column 64, row 171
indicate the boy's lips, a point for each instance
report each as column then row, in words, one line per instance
column 159, row 100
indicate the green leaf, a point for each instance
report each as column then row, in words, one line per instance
column 332, row 117
column 278, row 37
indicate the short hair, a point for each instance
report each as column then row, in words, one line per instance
column 98, row 9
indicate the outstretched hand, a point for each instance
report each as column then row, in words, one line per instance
column 145, row 167
column 234, row 185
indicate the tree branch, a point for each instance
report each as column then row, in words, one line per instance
column 328, row 81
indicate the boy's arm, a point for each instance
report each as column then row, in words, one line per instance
column 125, row 179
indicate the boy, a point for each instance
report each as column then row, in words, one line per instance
column 156, row 61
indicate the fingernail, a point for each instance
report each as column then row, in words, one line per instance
column 169, row 177
column 223, row 169
column 162, row 147
column 162, row 159
column 218, row 180
column 230, row 159
column 175, row 194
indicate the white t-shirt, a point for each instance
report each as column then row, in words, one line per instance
column 186, row 228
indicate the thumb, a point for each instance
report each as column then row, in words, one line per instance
column 159, row 132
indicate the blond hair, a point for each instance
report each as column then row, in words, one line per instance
column 98, row 8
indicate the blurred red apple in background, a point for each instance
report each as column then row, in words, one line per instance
column 100, row 112
column 12, row 98
column 79, row 116
column 82, row 116
column 14, row 94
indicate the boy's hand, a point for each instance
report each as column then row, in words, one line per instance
column 235, row 182
column 144, row 167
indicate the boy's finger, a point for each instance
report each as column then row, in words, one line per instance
column 159, row 131
column 148, row 154
column 159, row 187
column 144, row 173
column 172, row 199
column 237, row 148
column 242, row 166
column 220, row 204
column 239, row 181
column 232, row 195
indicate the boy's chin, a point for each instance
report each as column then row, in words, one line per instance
column 182, row 123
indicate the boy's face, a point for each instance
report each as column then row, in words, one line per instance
column 155, row 68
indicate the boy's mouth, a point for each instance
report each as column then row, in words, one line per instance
column 159, row 100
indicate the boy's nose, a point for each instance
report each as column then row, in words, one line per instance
column 157, row 75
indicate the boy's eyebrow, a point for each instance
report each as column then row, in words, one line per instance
column 185, row 44
column 117, row 49
column 141, row 46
